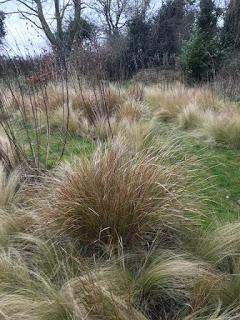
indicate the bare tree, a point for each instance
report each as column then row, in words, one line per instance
column 53, row 26
column 112, row 14
column 115, row 14
column 139, row 7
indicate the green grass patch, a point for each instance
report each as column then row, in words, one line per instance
column 75, row 146
column 217, row 170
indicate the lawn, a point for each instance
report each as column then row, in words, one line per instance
column 218, row 171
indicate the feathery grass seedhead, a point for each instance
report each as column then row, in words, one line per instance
column 215, row 313
column 29, row 290
column 130, row 110
column 166, row 103
column 136, row 90
column 224, row 128
column 98, row 103
column 168, row 282
column 11, row 224
column 101, row 297
column 191, row 117
column 199, row 108
column 8, row 156
column 218, row 246
column 9, row 185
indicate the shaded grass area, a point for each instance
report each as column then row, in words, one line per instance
column 218, row 172
column 75, row 146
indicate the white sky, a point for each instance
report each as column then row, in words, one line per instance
column 22, row 37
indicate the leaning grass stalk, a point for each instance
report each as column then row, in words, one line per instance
column 65, row 82
column 44, row 92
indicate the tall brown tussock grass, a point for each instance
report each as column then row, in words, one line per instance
column 12, row 223
column 169, row 282
column 131, row 110
column 52, row 96
column 172, row 99
column 224, row 129
column 136, row 90
column 232, row 313
column 191, row 117
column 9, row 185
column 139, row 136
column 197, row 108
column 97, row 102
column 54, row 285
column 90, row 112
column 87, row 110
column 9, row 158
column 113, row 196
column 166, row 103
column 219, row 247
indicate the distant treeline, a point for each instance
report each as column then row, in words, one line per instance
column 197, row 37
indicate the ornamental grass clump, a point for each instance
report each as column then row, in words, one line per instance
column 114, row 196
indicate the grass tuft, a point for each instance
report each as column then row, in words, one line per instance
column 224, row 129
column 114, row 195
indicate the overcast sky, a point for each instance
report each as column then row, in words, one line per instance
column 22, row 37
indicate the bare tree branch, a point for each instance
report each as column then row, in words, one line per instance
column 27, row 5
column 115, row 13
column 35, row 12
column 4, row 1
column 25, row 16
